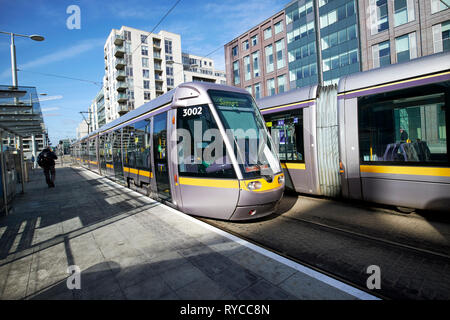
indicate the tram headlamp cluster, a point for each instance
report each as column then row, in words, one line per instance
column 254, row 185
column 281, row 179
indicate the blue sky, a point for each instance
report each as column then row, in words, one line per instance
column 203, row 25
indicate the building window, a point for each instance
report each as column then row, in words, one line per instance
column 441, row 37
column 257, row 88
column 378, row 17
column 146, row 74
column 300, row 32
column 168, row 46
column 381, row 54
column 248, row 74
column 302, row 11
column 237, row 79
column 255, row 58
column 170, row 82
column 143, row 38
column 281, row 83
column 145, row 62
column 267, row 33
column 127, row 35
column 404, row 11
column 439, row 5
column 234, row 51
column 279, row 47
column 245, row 45
column 169, row 71
column 278, row 27
column 147, row 95
column 269, row 58
column 129, row 71
column 254, row 40
column 405, row 47
column 270, row 87
column 340, row 60
column 146, row 84
column 302, row 52
column 144, row 50
column 336, row 38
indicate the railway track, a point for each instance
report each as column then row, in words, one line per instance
column 400, row 279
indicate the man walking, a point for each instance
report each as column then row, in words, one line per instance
column 46, row 160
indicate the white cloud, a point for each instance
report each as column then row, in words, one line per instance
column 50, row 109
column 63, row 54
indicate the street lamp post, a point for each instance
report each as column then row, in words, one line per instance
column 34, row 37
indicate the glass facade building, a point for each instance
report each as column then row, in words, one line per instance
column 322, row 36
column 301, row 43
column 338, row 39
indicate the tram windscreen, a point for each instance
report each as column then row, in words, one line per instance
column 245, row 127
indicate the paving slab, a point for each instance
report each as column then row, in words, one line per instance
column 128, row 246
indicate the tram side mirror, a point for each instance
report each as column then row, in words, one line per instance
column 182, row 94
column 179, row 104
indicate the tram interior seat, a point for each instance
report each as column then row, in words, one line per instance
column 416, row 151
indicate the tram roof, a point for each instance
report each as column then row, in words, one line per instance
column 414, row 68
column 161, row 101
column 296, row 95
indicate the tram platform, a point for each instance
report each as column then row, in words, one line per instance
column 128, row 246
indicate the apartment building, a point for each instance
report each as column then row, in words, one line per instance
column 82, row 129
column 257, row 59
column 201, row 69
column 136, row 69
column 97, row 114
column 401, row 30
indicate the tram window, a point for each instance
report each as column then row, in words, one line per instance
column 136, row 142
column 84, row 152
column 92, row 150
column 287, row 132
column 201, row 151
column 116, row 149
column 408, row 126
column 101, row 150
column 108, row 146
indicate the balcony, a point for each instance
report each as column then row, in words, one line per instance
column 121, row 97
column 122, row 109
column 120, row 64
column 121, row 86
column 119, row 52
column 158, row 78
column 158, row 67
column 157, row 43
column 118, row 40
column 159, row 89
column 157, row 55
column 120, row 75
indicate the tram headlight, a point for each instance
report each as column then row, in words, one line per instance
column 281, row 179
column 254, row 185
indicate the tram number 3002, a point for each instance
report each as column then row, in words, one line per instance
column 192, row 111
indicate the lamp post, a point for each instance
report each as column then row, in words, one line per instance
column 34, row 37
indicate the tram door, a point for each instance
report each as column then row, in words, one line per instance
column 160, row 155
column 117, row 154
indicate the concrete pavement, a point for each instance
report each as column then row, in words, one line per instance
column 128, row 246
